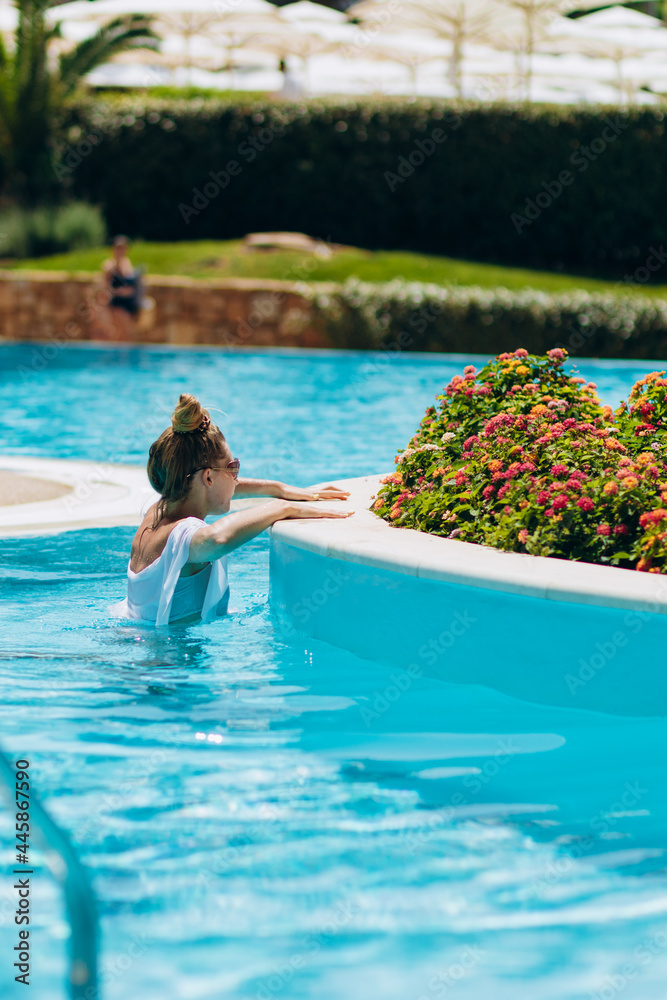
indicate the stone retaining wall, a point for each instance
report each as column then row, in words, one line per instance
column 41, row 305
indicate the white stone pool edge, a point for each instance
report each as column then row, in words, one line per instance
column 105, row 495
column 101, row 495
column 370, row 541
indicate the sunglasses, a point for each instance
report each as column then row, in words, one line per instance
column 232, row 467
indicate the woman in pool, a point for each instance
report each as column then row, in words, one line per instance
column 178, row 563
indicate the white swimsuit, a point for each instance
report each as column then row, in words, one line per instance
column 160, row 594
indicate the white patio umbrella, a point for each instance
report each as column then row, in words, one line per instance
column 300, row 44
column 459, row 22
column 409, row 50
column 523, row 39
column 618, row 35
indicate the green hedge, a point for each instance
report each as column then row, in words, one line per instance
column 416, row 317
column 562, row 188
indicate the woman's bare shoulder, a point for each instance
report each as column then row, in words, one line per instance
column 149, row 542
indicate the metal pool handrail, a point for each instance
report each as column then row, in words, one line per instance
column 80, row 903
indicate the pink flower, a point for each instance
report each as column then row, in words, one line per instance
column 559, row 470
column 603, row 529
column 652, row 517
column 557, row 354
column 521, row 352
column 621, row 529
column 585, row 503
column 487, row 492
column 561, row 501
column 503, row 490
column 542, row 497
column 523, row 536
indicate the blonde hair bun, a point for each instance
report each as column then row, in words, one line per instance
column 189, row 415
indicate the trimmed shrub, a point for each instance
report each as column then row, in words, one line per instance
column 523, row 457
column 563, row 188
column 417, row 317
column 40, row 231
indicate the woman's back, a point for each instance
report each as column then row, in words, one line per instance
column 157, row 588
column 149, row 543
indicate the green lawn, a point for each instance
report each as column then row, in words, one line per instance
column 223, row 259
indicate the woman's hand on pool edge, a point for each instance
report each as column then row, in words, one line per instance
column 296, row 509
column 328, row 492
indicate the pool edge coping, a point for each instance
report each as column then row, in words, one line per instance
column 367, row 540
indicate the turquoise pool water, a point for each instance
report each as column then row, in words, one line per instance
column 250, row 831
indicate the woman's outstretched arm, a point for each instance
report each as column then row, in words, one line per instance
column 225, row 535
column 274, row 488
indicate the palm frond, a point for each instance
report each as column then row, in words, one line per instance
column 128, row 31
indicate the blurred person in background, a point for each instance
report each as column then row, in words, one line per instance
column 291, row 89
column 124, row 284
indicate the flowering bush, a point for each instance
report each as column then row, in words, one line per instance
column 523, row 456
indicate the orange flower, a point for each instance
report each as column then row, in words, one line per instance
column 630, row 482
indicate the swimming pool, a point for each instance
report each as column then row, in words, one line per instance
column 250, row 831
